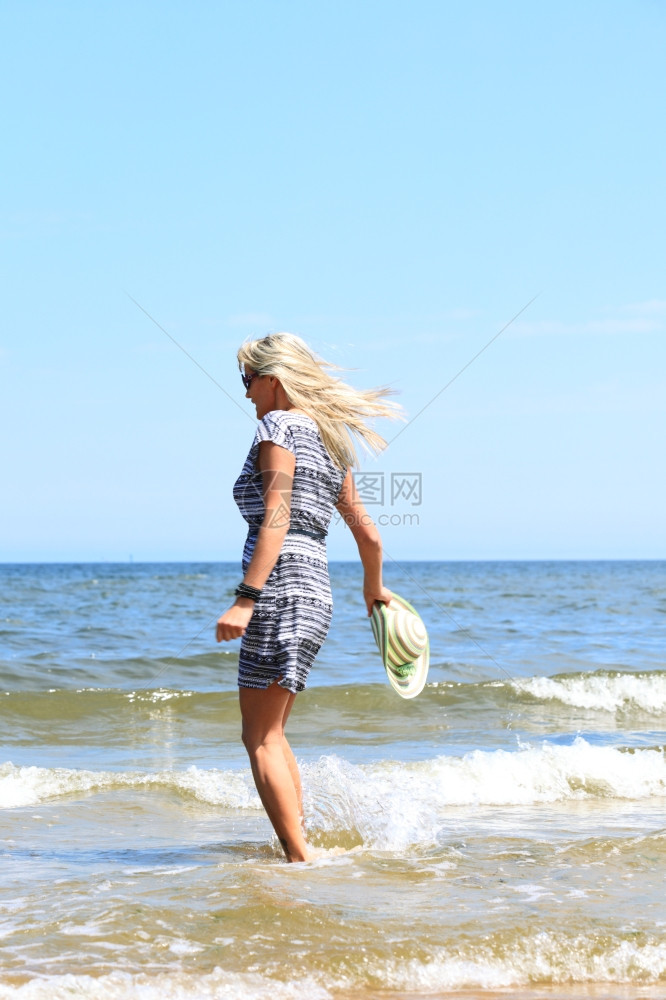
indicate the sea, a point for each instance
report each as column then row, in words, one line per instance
column 501, row 835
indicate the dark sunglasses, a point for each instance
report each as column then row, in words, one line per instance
column 247, row 379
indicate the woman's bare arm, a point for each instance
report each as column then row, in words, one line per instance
column 277, row 468
column 368, row 540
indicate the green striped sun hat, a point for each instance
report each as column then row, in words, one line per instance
column 403, row 643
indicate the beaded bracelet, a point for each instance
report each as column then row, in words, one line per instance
column 245, row 590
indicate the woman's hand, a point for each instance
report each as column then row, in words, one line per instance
column 371, row 595
column 234, row 621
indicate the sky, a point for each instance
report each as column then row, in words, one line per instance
column 396, row 182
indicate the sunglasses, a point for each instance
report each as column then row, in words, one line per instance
column 247, row 379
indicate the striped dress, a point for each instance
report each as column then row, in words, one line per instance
column 293, row 614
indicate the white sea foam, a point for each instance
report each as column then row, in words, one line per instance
column 26, row 786
column 542, row 958
column 391, row 805
column 215, row 985
column 600, row 691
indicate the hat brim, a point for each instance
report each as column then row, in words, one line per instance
column 410, row 681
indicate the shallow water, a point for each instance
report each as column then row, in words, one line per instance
column 502, row 834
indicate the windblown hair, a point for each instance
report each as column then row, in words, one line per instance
column 339, row 410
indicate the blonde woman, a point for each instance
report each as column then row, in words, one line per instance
column 297, row 472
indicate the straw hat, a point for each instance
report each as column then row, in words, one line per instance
column 403, row 643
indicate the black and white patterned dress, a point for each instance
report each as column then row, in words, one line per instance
column 293, row 614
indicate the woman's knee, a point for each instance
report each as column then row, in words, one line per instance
column 255, row 738
column 250, row 737
column 251, row 743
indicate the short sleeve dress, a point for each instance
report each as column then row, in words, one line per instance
column 293, row 614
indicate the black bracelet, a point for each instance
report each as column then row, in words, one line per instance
column 245, row 590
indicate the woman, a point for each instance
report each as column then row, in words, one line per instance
column 297, row 471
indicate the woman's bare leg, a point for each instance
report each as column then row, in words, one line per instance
column 273, row 764
column 291, row 763
column 295, row 777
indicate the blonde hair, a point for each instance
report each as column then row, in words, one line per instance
column 339, row 410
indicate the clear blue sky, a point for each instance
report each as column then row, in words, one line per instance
column 391, row 180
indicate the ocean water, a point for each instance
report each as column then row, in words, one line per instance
column 504, row 834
